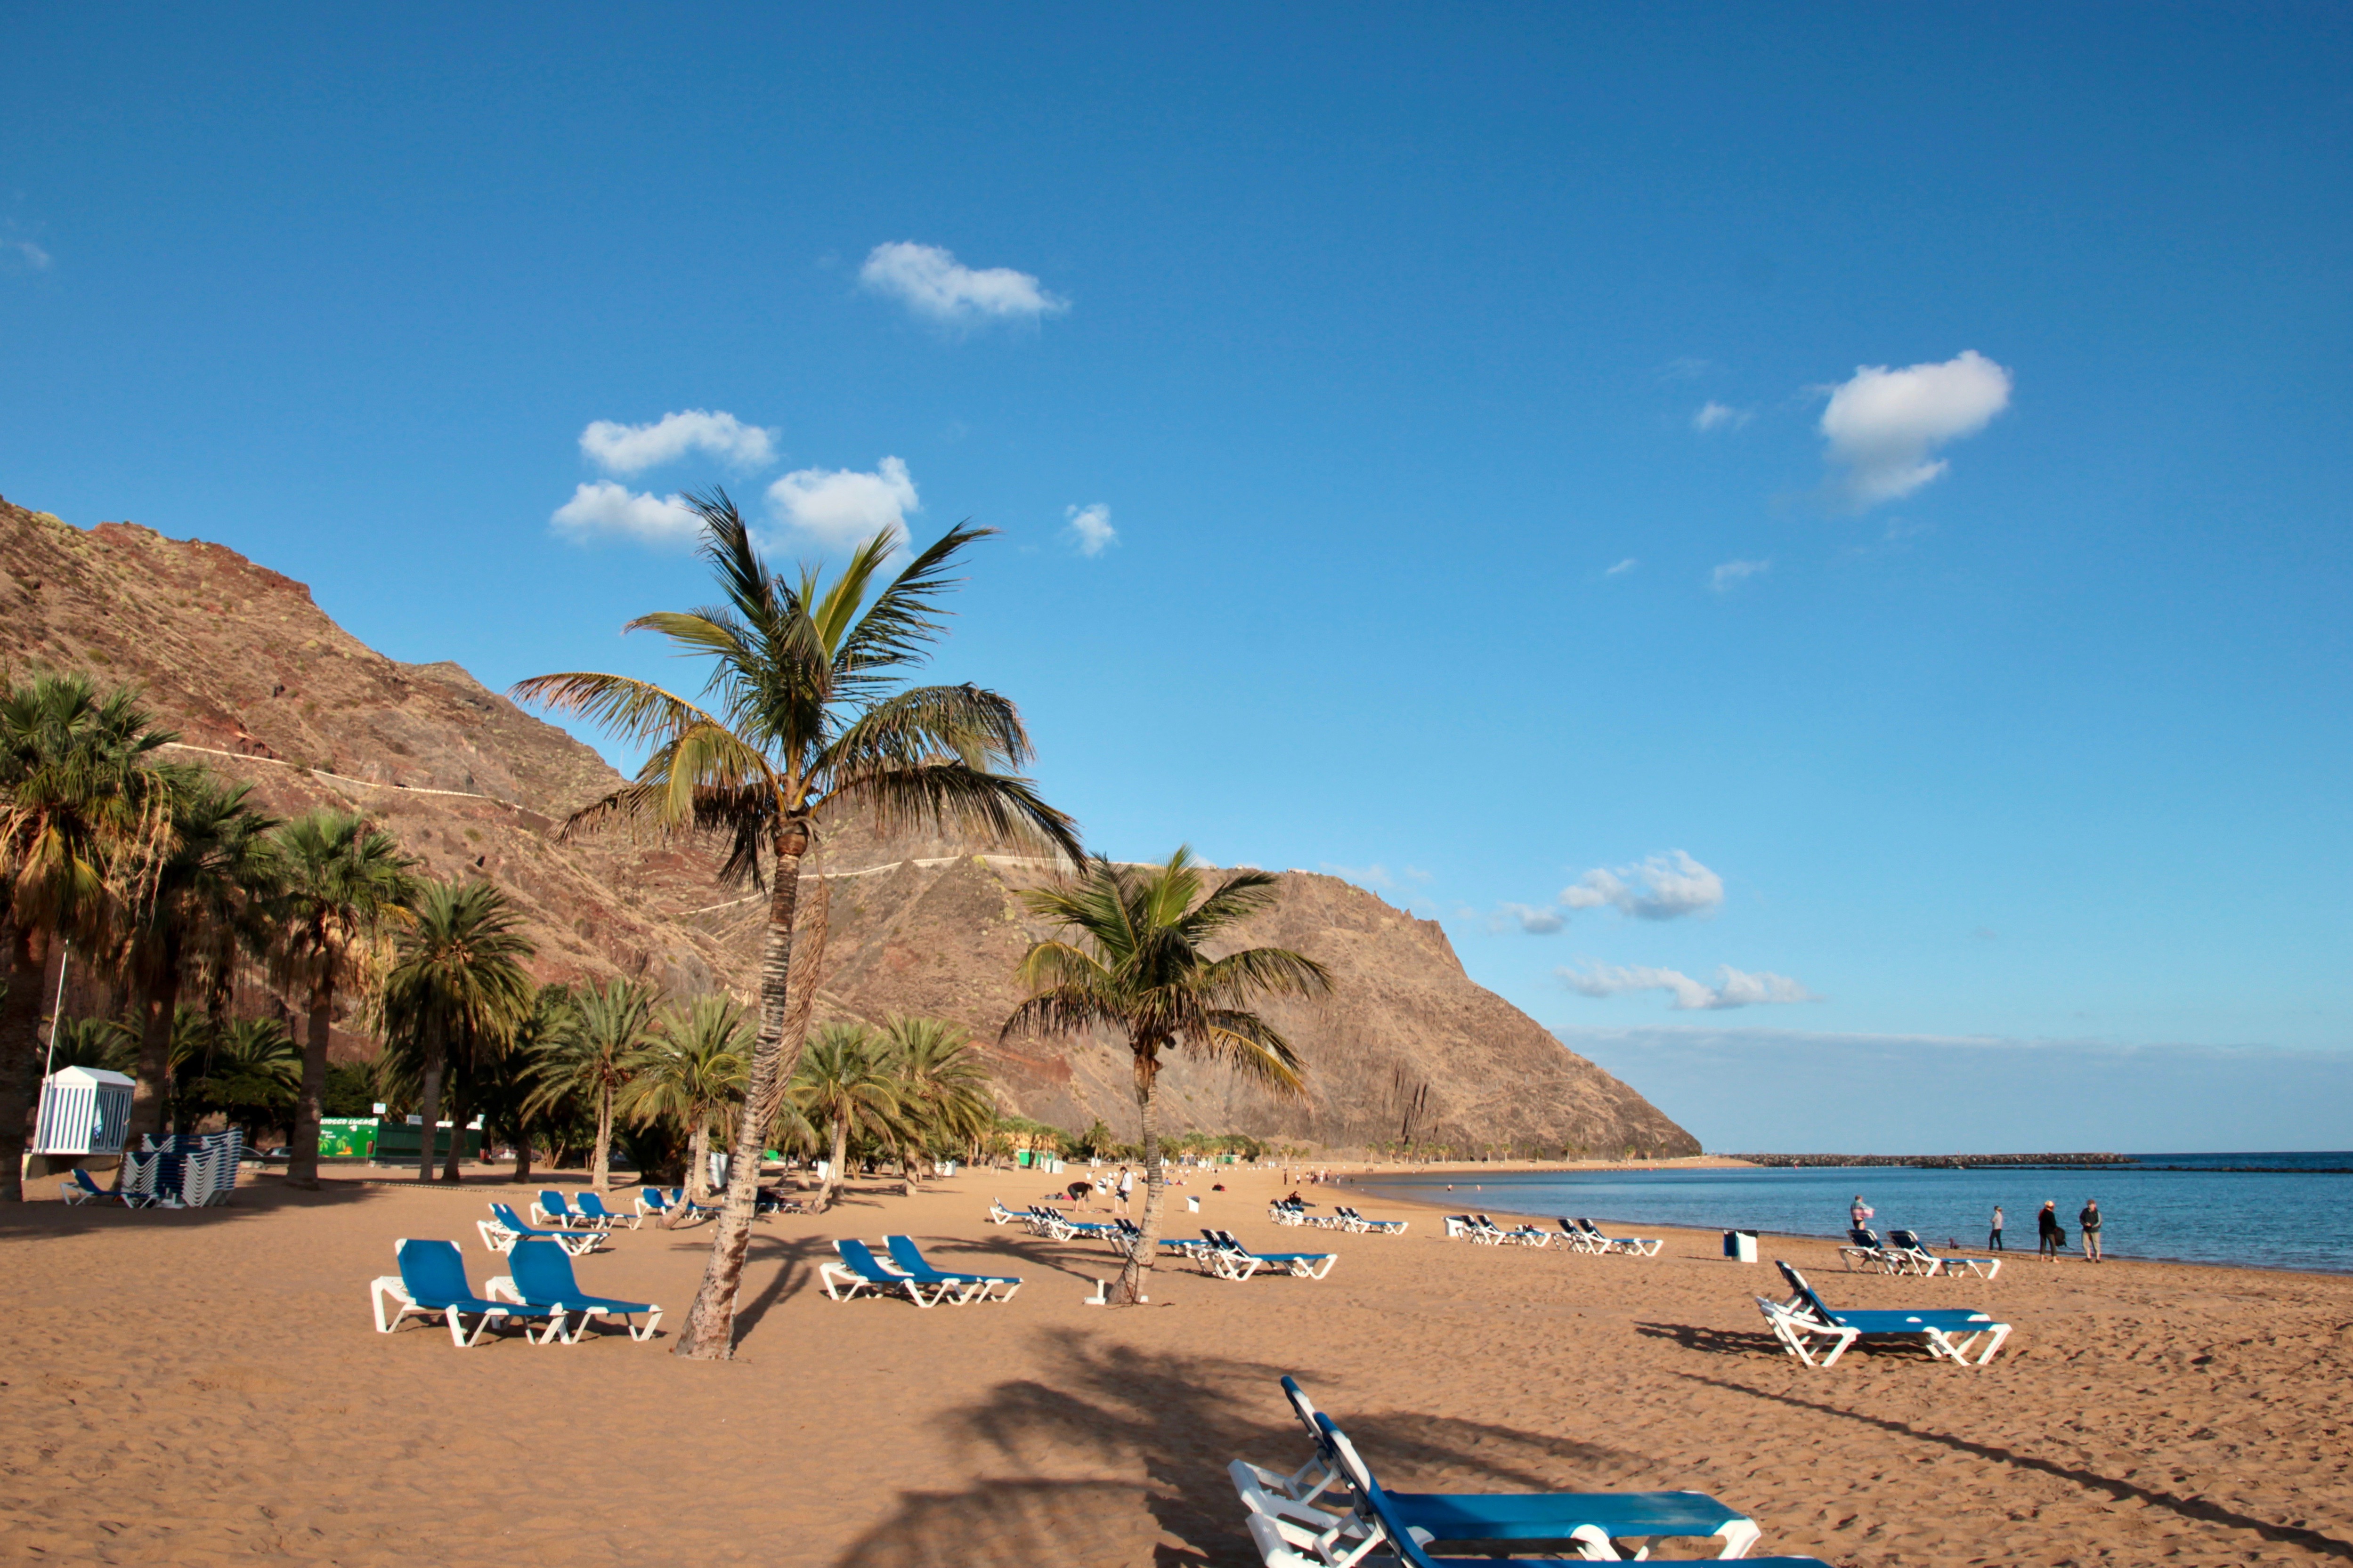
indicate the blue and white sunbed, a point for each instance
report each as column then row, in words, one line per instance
column 1864, row 1251
column 593, row 1210
column 1638, row 1246
column 1228, row 1259
column 79, row 1188
column 549, row 1208
column 1919, row 1259
column 1806, row 1320
column 432, row 1284
column 1387, row 1525
column 909, row 1259
column 1358, row 1222
column 1590, row 1523
column 542, row 1280
column 504, row 1228
column 859, row 1270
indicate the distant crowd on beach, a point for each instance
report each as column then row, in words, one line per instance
column 2050, row 1235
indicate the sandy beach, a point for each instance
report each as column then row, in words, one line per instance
column 207, row 1388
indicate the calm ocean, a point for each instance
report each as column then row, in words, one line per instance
column 2278, row 1211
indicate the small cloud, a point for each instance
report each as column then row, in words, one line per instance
column 1713, row 416
column 841, row 507
column 1883, row 425
column 605, row 509
column 32, row 255
column 1733, row 987
column 632, row 448
column 1622, row 567
column 929, row 280
column 1662, row 888
column 1685, row 369
column 1372, row 875
column 1417, row 873
column 1533, row 921
column 1090, row 528
column 1986, row 933
column 1732, row 573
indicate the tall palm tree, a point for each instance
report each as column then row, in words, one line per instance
column 457, row 978
column 803, row 712
column 594, row 1059
column 691, row 1074
column 344, row 883
column 84, row 816
column 845, row 1084
column 944, row 1085
column 511, row 1093
column 208, row 902
column 249, row 1074
column 1138, row 968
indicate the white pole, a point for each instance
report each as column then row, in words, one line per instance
column 57, row 1011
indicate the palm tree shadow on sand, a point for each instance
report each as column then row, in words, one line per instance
column 1177, row 1419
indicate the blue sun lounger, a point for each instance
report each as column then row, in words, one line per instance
column 1907, row 1245
column 1945, row 1333
column 549, row 1208
column 542, row 1280
column 1381, row 1513
column 1573, row 1520
column 1228, row 1259
column 504, row 1228
column 79, row 1188
column 432, row 1283
column 593, row 1210
column 859, row 1270
column 908, row 1258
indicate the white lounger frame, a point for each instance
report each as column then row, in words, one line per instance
column 502, row 1288
column 1800, row 1332
column 386, row 1287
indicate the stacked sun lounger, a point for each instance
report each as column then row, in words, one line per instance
column 188, row 1170
column 1222, row 1255
column 860, row 1272
column 1332, row 1512
column 1806, row 1325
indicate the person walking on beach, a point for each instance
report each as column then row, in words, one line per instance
column 1993, row 1238
column 2046, row 1224
column 1126, row 1188
column 1861, row 1213
column 2088, row 1221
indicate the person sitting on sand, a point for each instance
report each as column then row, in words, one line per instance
column 2088, row 1221
column 2046, row 1224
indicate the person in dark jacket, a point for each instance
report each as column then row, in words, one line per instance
column 1993, row 1236
column 2047, row 1225
column 2089, row 1223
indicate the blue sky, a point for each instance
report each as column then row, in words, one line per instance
column 1319, row 368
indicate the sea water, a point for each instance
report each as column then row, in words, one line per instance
column 2277, row 1210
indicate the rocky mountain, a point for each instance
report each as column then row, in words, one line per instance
column 265, row 688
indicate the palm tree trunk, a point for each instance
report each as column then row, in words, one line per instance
column 709, row 1331
column 522, row 1155
column 833, row 1167
column 158, row 1005
column 457, row 1109
column 432, row 1096
column 600, row 1168
column 20, row 1045
column 1147, row 1245
column 302, row 1164
column 697, row 1163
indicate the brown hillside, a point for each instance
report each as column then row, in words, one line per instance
column 264, row 687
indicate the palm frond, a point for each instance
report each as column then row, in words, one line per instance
column 637, row 711
column 905, row 617
column 947, row 795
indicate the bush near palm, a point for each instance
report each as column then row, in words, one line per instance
column 84, row 817
column 343, row 884
column 803, row 713
column 1136, row 966
column 457, row 985
column 690, row 1073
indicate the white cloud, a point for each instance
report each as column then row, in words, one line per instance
column 607, row 510
column 1734, row 571
column 1883, row 425
column 1090, row 528
column 1713, row 416
column 1662, row 888
column 631, row 448
column 34, row 257
column 1533, row 921
column 1622, row 567
column 929, row 280
column 843, row 506
column 1372, row 875
column 1733, row 987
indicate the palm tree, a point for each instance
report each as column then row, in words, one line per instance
column 84, row 816
column 249, row 1073
column 1138, row 968
column 943, row 1086
column 207, row 900
column 457, row 979
column 846, row 1084
column 109, row 1043
column 594, row 1059
column 690, row 1073
column 344, row 883
column 802, row 712
column 509, row 1087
